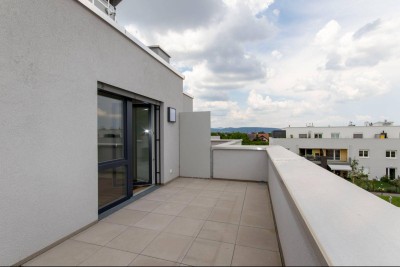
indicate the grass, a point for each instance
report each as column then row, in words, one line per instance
column 395, row 200
column 377, row 186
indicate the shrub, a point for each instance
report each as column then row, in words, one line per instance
column 385, row 179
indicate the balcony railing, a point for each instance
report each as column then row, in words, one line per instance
column 105, row 6
column 320, row 218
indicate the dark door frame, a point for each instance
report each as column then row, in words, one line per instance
column 124, row 162
column 127, row 160
column 150, row 140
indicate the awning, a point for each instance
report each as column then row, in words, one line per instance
column 339, row 167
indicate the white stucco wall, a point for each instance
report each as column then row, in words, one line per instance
column 344, row 131
column 187, row 103
column 52, row 54
column 195, row 144
column 239, row 162
column 376, row 163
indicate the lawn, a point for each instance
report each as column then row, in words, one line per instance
column 395, row 200
column 377, row 186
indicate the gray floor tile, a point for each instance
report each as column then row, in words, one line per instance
column 222, row 232
column 209, row 253
column 167, row 246
column 109, row 257
column 134, row 239
column 68, row 253
column 100, row 233
column 245, row 256
column 257, row 238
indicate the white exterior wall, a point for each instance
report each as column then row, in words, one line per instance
column 195, row 144
column 345, row 131
column 187, row 103
column 52, row 54
column 322, row 220
column 238, row 162
column 376, row 163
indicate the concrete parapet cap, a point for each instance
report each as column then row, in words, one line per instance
column 349, row 225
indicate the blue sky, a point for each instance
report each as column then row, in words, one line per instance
column 278, row 63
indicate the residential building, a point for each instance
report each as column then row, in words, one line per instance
column 374, row 147
column 88, row 112
column 263, row 137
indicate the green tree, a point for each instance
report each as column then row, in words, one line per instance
column 358, row 176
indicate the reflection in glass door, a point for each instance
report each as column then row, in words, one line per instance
column 113, row 165
column 142, row 144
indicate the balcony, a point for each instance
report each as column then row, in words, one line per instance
column 290, row 212
column 189, row 221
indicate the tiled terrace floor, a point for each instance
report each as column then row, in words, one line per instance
column 187, row 222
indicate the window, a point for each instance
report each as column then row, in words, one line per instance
column 318, row 135
column 302, row 135
column 391, row 154
column 335, row 135
column 391, row 173
column 363, row 153
column 110, row 123
column 358, row 135
column 333, row 154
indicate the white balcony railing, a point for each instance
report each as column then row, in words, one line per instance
column 321, row 219
column 105, row 6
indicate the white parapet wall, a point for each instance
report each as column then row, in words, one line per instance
column 239, row 162
column 194, row 144
column 323, row 219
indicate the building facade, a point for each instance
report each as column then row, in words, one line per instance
column 375, row 147
column 84, row 110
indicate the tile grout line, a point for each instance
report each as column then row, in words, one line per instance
column 237, row 233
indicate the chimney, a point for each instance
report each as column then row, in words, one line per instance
column 159, row 51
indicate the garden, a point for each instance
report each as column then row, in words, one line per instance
column 384, row 185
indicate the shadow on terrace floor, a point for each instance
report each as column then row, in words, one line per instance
column 189, row 221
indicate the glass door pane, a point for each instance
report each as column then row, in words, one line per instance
column 112, row 186
column 112, row 162
column 143, row 131
column 110, row 128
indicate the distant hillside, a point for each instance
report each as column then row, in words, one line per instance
column 243, row 130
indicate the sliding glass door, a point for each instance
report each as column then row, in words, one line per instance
column 127, row 158
column 112, row 156
column 142, row 145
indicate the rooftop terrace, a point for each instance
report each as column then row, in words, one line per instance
column 188, row 221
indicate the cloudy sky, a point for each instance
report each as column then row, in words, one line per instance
column 274, row 63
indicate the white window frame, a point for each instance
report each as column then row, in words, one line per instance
column 317, row 135
column 335, row 135
column 363, row 153
column 360, row 134
column 390, row 154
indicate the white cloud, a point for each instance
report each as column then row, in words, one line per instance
column 328, row 34
column 255, row 6
column 233, row 51
column 276, row 54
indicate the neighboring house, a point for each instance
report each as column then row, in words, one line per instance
column 252, row 136
column 375, row 147
column 263, row 137
column 259, row 136
column 87, row 112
